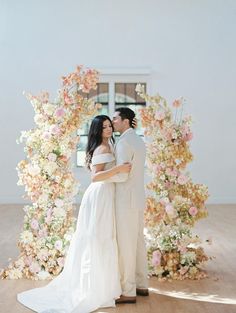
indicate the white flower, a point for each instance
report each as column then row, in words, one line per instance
column 188, row 257
column 47, row 147
column 39, row 119
column 15, row 273
column 52, row 157
column 42, row 275
column 49, row 109
column 34, row 267
column 59, row 203
column 26, row 237
column 43, row 254
column 67, row 183
column 139, row 88
column 68, row 237
column 164, row 193
column 34, row 170
column 43, row 198
column 59, row 212
column 50, row 167
column 162, row 177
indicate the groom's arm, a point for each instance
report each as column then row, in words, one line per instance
column 123, row 154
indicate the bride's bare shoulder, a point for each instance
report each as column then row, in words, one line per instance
column 101, row 150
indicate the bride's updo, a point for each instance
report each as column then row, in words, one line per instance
column 95, row 136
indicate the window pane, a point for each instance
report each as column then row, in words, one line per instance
column 125, row 93
column 100, row 95
column 126, row 96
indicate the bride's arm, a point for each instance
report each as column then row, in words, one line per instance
column 99, row 174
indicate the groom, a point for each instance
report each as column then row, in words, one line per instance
column 130, row 204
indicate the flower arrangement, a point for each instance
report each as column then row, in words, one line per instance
column 47, row 176
column 175, row 203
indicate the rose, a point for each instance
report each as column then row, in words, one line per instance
column 58, row 245
column 193, row 211
column 60, row 112
column 159, row 116
column 33, row 170
column 52, row 157
column 182, row 179
column 156, row 258
column 170, row 210
column 59, row 203
column 61, row 261
column 34, row 224
column 55, row 130
column 35, row 267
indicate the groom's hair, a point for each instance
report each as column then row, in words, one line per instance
column 126, row 113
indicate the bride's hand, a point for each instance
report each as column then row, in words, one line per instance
column 125, row 168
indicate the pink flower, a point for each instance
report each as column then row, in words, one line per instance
column 156, row 258
column 46, row 135
column 171, row 172
column 168, row 185
column 59, row 203
column 182, row 248
column 182, row 179
column 157, row 169
column 61, row 261
column 188, row 137
column 177, row 103
column 43, row 233
column 168, row 171
column 183, row 270
column 48, row 218
column 58, row 245
column 170, row 210
column 55, row 130
column 34, row 224
column 193, row 211
column 60, row 112
column 164, row 201
column 28, row 260
column 159, row 116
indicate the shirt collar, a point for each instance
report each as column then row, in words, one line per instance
column 126, row 131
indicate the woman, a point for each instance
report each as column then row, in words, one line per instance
column 90, row 278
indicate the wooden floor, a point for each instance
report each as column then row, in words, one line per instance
column 215, row 294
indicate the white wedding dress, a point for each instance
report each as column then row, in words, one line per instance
column 90, row 278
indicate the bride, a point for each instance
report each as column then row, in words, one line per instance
column 90, row 278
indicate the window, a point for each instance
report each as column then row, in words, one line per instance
column 126, row 96
column 113, row 92
column 100, row 95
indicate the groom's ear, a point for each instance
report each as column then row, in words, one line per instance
column 126, row 120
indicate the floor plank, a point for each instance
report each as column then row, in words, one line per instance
column 217, row 293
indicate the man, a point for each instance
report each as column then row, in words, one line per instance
column 130, row 204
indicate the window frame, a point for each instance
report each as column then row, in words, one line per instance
column 113, row 76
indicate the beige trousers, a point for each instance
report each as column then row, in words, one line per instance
column 131, row 250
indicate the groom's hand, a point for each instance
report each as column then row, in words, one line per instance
column 135, row 122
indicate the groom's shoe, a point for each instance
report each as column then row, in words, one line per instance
column 124, row 299
column 142, row 292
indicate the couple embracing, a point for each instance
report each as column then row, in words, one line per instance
column 106, row 261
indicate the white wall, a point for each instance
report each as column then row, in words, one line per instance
column 189, row 46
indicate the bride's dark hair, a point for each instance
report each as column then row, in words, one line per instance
column 95, row 136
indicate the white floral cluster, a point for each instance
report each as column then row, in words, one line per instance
column 47, row 176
